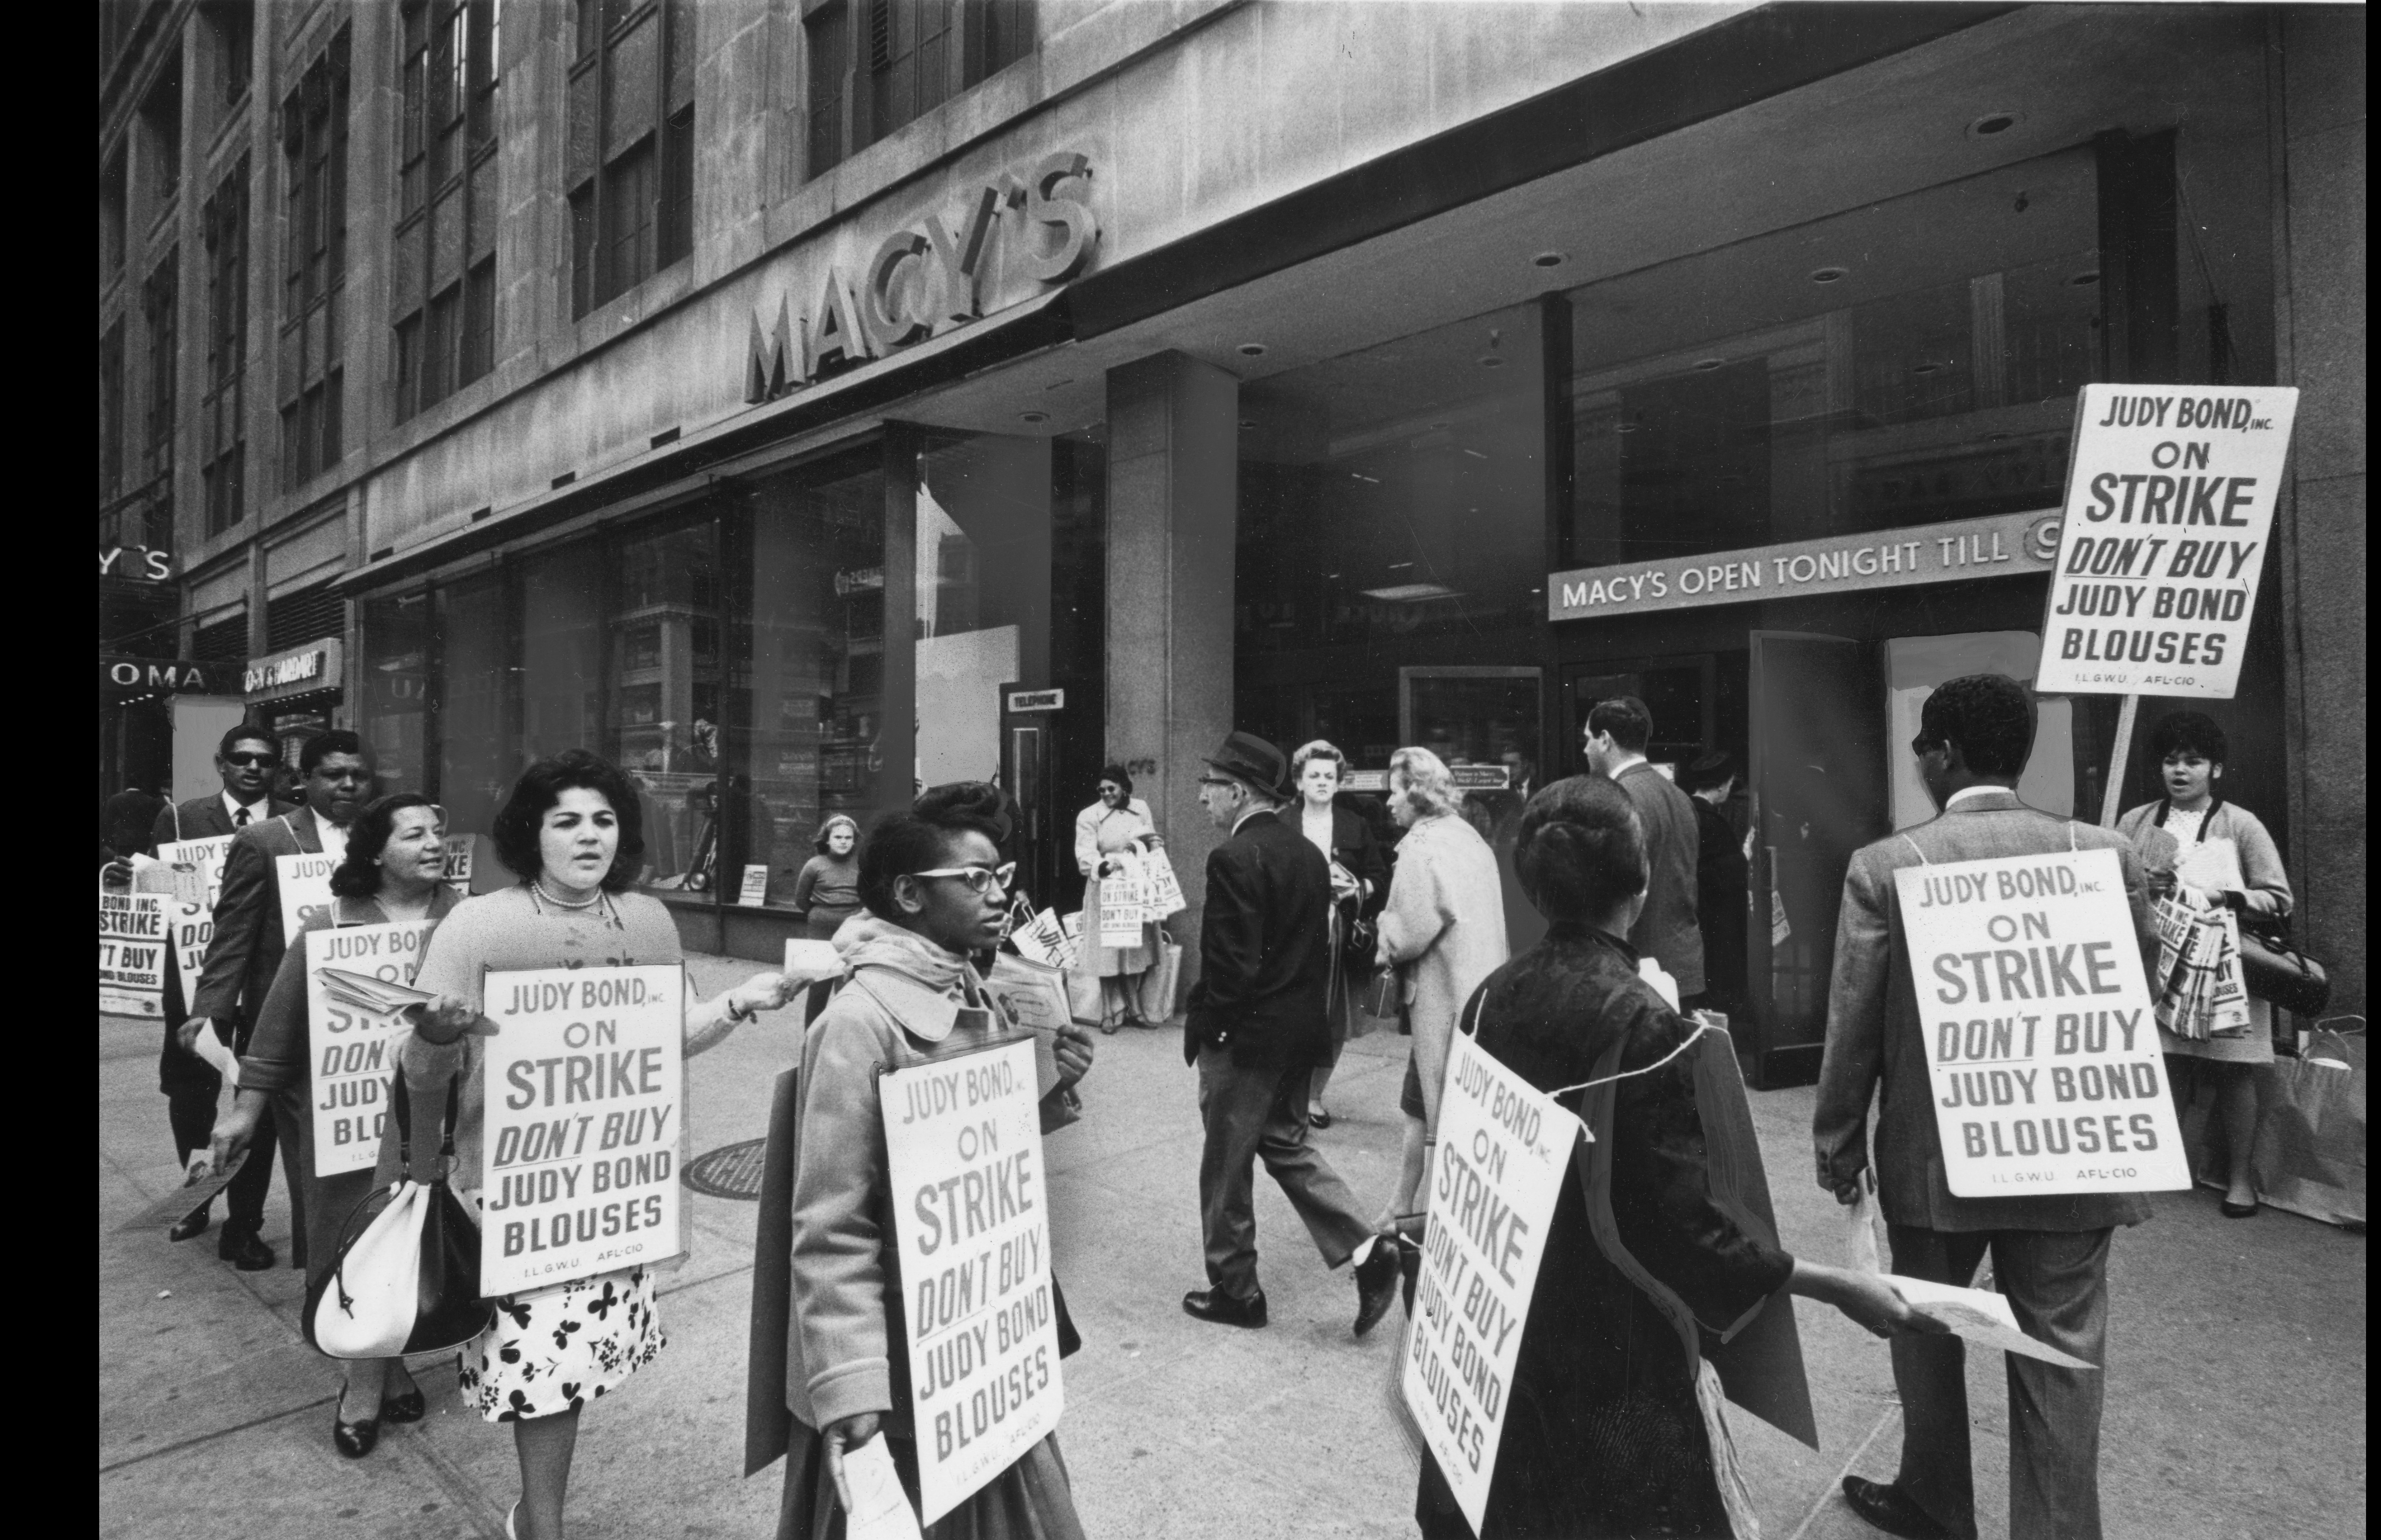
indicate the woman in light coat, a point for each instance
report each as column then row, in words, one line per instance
column 1444, row 929
column 2191, row 749
column 1115, row 828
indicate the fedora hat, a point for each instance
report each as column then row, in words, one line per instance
column 1246, row 757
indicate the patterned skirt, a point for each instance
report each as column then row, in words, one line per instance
column 557, row 1349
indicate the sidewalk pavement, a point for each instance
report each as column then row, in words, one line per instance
column 2236, row 1382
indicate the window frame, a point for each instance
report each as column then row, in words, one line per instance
column 661, row 195
column 844, row 111
column 316, row 137
column 450, row 70
column 223, row 446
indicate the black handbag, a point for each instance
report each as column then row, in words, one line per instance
column 405, row 1277
column 2272, row 969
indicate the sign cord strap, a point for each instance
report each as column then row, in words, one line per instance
column 1701, row 1028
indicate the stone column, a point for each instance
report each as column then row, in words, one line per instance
column 1173, row 509
column 2319, row 347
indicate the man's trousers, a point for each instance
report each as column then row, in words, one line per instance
column 1252, row 1112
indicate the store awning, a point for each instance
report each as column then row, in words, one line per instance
column 1036, row 323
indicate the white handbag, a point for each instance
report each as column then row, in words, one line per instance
column 372, row 1314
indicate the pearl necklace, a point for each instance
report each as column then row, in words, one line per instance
column 588, row 903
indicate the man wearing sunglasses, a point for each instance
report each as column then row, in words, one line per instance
column 1256, row 1030
column 245, row 761
column 245, row 952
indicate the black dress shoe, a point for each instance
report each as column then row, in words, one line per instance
column 1317, row 1118
column 354, row 1439
column 1376, row 1285
column 1214, row 1304
column 408, row 1408
column 2239, row 1210
column 1889, row 1508
column 244, row 1250
column 192, row 1223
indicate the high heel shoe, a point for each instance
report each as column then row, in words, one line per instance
column 354, row 1439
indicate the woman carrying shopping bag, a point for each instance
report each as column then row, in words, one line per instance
column 2174, row 836
column 1108, row 834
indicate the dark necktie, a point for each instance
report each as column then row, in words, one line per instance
column 239, row 818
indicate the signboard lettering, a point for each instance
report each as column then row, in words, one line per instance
column 305, row 882
column 2005, row 545
column 193, row 922
column 1504, row 1149
column 132, row 955
column 2169, row 510
column 2041, row 1044
column 350, row 1042
column 971, row 1218
column 925, row 280
column 584, row 1091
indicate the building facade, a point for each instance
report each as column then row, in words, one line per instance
column 804, row 402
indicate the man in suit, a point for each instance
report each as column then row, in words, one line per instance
column 1723, row 881
column 245, row 952
column 1256, row 1031
column 244, row 762
column 1617, row 732
column 2050, row 1252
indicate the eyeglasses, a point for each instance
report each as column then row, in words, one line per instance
column 979, row 879
column 252, row 761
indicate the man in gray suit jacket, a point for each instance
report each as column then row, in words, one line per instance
column 245, row 952
column 2050, row 1253
column 245, row 761
column 1667, row 929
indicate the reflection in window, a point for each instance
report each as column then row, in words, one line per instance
column 1391, row 514
column 667, row 698
column 1910, row 362
column 395, row 687
column 805, row 626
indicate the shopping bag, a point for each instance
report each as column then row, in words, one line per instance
column 2309, row 1156
column 1161, row 983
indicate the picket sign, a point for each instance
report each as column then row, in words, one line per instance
column 198, row 865
column 2169, row 514
column 584, row 1107
column 2042, row 1045
column 351, row 1045
column 132, row 955
column 971, row 1216
column 305, row 882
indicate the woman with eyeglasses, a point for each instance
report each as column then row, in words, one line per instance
column 573, row 831
column 396, row 854
column 936, row 892
column 1117, row 827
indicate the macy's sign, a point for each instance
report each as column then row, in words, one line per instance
column 929, row 278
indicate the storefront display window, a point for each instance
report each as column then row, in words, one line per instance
column 393, row 712
column 1392, row 522
column 477, row 759
column 804, row 613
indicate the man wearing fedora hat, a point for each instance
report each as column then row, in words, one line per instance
column 1257, row 1028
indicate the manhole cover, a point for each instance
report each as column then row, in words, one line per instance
column 729, row 1171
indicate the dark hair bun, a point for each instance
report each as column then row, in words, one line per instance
column 1580, row 849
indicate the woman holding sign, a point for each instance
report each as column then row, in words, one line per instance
column 389, row 881
column 1605, row 1427
column 1108, row 834
column 936, row 895
column 573, row 831
column 2183, row 840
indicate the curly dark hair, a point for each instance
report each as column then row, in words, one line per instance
column 542, row 786
column 2192, row 732
column 358, row 874
column 1580, row 849
column 916, row 840
column 1121, row 776
column 1988, row 716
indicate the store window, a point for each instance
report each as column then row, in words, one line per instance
column 630, row 151
column 315, row 267
column 223, row 434
column 393, row 710
column 877, row 64
column 1910, row 362
column 444, row 271
column 805, row 703
column 472, row 693
column 1391, row 565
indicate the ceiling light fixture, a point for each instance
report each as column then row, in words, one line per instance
column 1829, row 275
column 1410, row 593
column 1252, row 350
column 1248, row 423
column 1034, row 417
column 1547, row 259
column 1475, row 454
column 1706, row 365
column 1360, row 475
column 1994, row 123
column 2085, row 280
